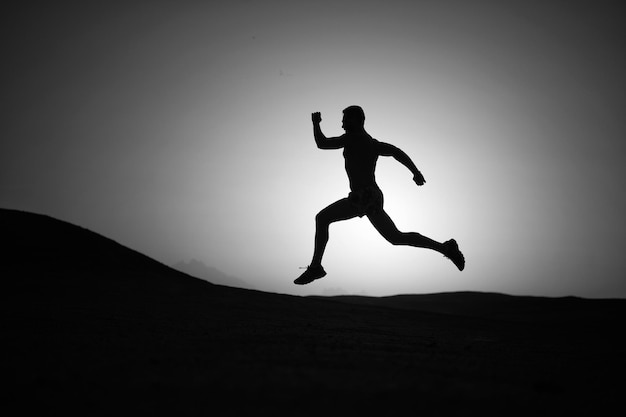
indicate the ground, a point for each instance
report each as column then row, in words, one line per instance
column 94, row 328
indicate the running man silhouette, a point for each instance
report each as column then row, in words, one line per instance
column 361, row 152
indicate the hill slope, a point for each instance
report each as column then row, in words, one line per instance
column 90, row 326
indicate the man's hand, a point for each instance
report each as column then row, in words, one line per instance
column 316, row 117
column 419, row 178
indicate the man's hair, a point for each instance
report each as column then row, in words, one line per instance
column 355, row 113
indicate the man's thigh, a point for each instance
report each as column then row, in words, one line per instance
column 339, row 210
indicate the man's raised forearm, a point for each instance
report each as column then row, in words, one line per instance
column 317, row 134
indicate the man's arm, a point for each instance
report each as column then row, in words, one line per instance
column 320, row 139
column 386, row 149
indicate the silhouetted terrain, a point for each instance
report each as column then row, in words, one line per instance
column 91, row 327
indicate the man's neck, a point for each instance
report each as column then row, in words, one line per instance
column 356, row 131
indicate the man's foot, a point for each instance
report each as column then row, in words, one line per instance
column 452, row 252
column 311, row 274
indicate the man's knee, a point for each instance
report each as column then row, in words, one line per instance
column 395, row 237
column 321, row 218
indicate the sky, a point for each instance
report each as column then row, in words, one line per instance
column 183, row 130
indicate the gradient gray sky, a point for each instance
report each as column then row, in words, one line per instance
column 182, row 129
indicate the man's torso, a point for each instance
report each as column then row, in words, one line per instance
column 360, row 153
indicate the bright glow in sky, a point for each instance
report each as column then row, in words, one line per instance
column 182, row 130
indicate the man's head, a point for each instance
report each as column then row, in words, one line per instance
column 353, row 118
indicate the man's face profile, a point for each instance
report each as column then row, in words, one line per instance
column 349, row 123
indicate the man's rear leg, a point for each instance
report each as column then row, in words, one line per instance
column 386, row 227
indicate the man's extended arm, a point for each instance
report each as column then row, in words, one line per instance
column 390, row 150
column 320, row 139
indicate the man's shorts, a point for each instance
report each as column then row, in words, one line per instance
column 368, row 200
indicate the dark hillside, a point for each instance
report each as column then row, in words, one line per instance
column 90, row 327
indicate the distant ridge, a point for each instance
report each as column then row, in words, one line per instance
column 495, row 305
column 199, row 269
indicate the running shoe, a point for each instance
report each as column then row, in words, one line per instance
column 311, row 274
column 452, row 252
